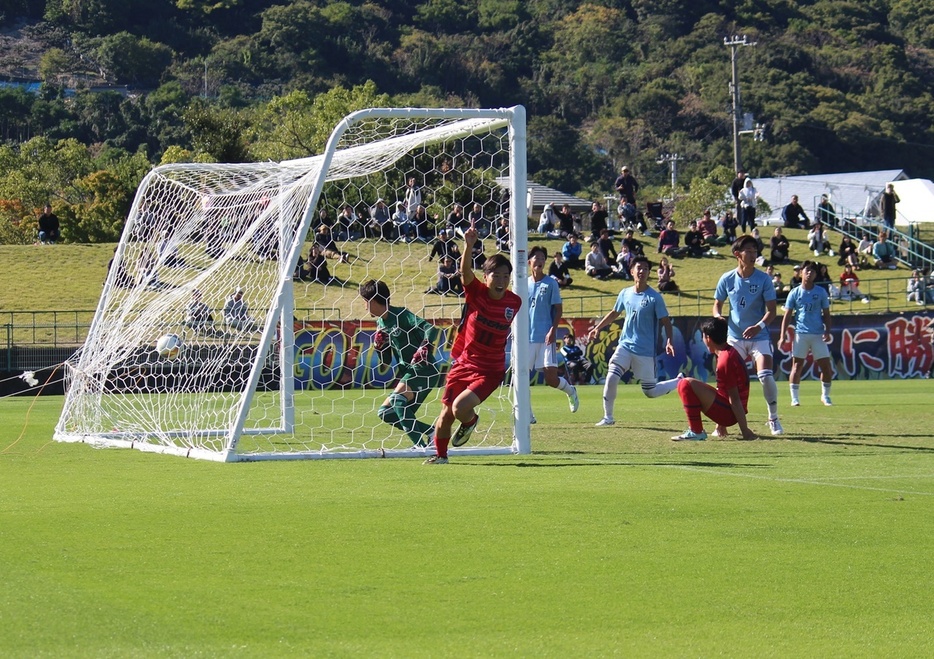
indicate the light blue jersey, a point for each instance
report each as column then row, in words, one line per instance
column 643, row 311
column 808, row 307
column 543, row 296
column 748, row 298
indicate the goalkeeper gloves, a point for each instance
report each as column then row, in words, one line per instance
column 421, row 354
column 381, row 340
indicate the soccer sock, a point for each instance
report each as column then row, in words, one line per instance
column 613, row 377
column 692, row 406
column 564, row 385
column 770, row 391
column 656, row 389
column 825, row 389
column 441, row 445
column 795, row 388
column 405, row 410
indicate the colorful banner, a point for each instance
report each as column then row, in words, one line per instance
column 330, row 355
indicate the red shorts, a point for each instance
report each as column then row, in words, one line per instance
column 462, row 377
column 721, row 412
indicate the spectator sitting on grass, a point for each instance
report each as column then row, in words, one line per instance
column 572, row 252
column 559, row 270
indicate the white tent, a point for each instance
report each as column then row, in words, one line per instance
column 853, row 194
column 916, row 201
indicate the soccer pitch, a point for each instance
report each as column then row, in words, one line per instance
column 604, row 541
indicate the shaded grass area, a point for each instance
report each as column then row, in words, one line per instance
column 605, row 540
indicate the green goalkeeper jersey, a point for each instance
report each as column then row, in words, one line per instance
column 407, row 333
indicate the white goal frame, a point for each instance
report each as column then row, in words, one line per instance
column 83, row 418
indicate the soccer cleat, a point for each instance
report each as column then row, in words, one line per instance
column 690, row 436
column 532, row 419
column 795, row 402
column 826, row 401
column 464, row 432
column 775, row 427
column 605, row 421
column 573, row 400
column 435, row 460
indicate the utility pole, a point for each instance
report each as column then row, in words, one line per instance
column 734, row 42
column 672, row 160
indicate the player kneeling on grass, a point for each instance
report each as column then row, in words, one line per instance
column 727, row 404
column 810, row 306
column 402, row 335
column 645, row 310
column 479, row 351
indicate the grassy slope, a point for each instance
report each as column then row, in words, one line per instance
column 615, row 541
column 70, row 277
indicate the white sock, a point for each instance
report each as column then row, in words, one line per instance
column 769, row 391
column 613, row 377
column 564, row 385
column 660, row 388
column 794, row 390
column 825, row 389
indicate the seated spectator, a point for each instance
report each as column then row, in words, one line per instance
column 49, row 226
column 198, row 315
column 475, row 216
column 694, row 241
column 572, row 252
column 628, row 214
column 315, row 269
column 168, row 252
column 346, row 227
column 884, row 253
column 547, row 221
column 848, row 253
column 918, row 291
column 456, row 222
column 633, row 244
column 668, row 240
column 423, row 229
column 759, row 245
column 445, row 246
column 559, row 270
column 596, row 265
column 818, row 240
column 825, row 282
column 477, row 257
column 577, row 368
column 666, row 274
column 708, row 230
column 849, row 285
column 606, row 246
column 237, row 312
column 729, row 224
column 599, row 219
column 781, row 290
column 624, row 263
column 503, row 239
column 779, row 246
column 565, row 221
column 325, row 241
column 796, row 278
column 793, row 215
column 864, row 249
column 380, row 225
column 449, row 279
column 404, row 227
column 122, row 279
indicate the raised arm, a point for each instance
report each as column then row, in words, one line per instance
column 470, row 239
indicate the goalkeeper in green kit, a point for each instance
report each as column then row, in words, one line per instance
column 402, row 335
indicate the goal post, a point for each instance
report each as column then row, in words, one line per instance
column 215, row 337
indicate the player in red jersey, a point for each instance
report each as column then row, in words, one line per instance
column 727, row 404
column 479, row 351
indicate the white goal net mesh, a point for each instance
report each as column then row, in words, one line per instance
column 230, row 326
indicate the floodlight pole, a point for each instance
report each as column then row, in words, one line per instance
column 672, row 160
column 734, row 42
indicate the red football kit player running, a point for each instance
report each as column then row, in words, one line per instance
column 727, row 404
column 479, row 351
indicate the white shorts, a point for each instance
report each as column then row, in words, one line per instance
column 643, row 368
column 810, row 342
column 747, row 348
column 542, row 355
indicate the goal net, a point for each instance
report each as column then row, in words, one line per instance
column 230, row 325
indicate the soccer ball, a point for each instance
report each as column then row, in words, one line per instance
column 169, row 346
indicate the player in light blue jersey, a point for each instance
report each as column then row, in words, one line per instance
column 545, row 309
column 645, row 309
column 810, row 306
column 752, row 308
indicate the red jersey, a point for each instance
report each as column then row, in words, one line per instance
column 731, row 372
column 484, row 329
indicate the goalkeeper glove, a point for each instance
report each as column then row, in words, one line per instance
column 421, row 354
column 381, row 340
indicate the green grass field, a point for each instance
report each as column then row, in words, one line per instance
column 611, row 541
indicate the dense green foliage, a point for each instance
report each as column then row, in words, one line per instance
column 841, row 85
